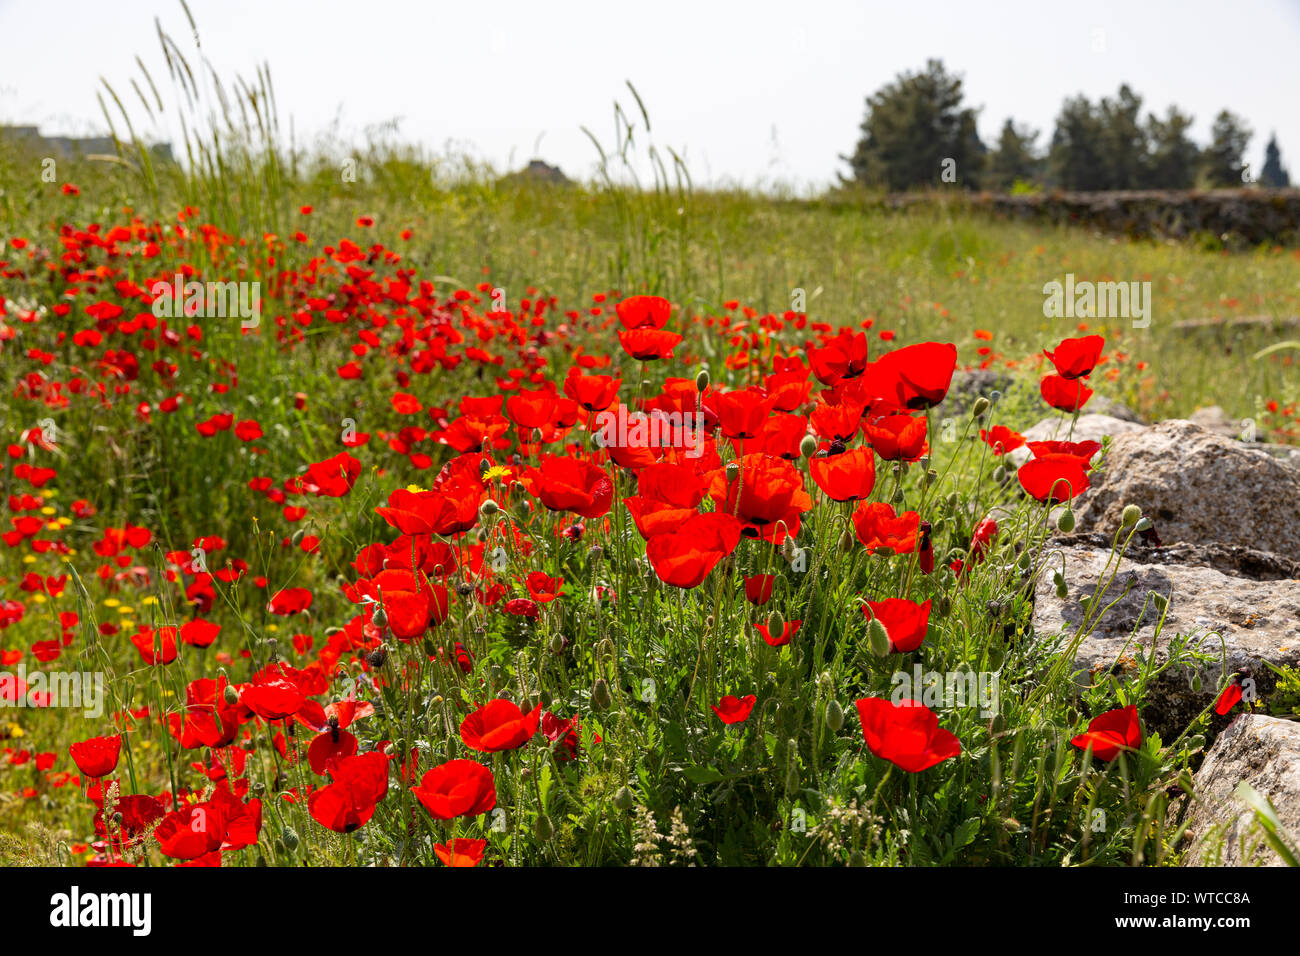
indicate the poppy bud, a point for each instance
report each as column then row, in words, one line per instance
column 846, row 541
column 834, row 716
column 1062, row 591
column 1144, row 525
column 942, row 605
column 776, row 624
column 542, row 828
column 931, row 477
column 999, row 474
column 231, row 696
column 380, row 617
column 808, row 447
column 980, row 407
column 517, row 489
column 1130, row 516
column 702, row 380
column 1065, row 523
column 430, row 648
column 898, row 497
column 298, row 536
column 290, row 839
column 624, row 799
column 1160, row 601
column 733, row 471
column 878, row 637
column 788, row 549
column 600, row 699
column 488, row 508
column 558, row 643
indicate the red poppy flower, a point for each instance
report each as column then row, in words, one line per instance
column 333, row 477
column 531, row 409
column 461, row 851
column 1229, row 699
column 1054, row 478
column 646, row 345
column 771, row 496
column 96, row 757
column 595, row 393
column 457, row 788
column 916, row 376
column 410, row 602
column 734, row 710
column 877, row 525
column 1076, row 358
column 543, row 588
column 1111, row 733
column 499, row 725
column 289, row 601
column 358, row 784
column 156, row 646
column 644, row 312
column 1079, row 449
column 740, row 414
column 779, row 640
column 836, row 422
column 684, row 558
column 758, row 588
column 844, row 356
column 1002, row 439
column 907, row 734
column 905, row 621
column 896, row 437
column 845, row 477
column 576, row 485
column 326, row 746
column 273, row 693
column 433, row 512
column 1063, row 394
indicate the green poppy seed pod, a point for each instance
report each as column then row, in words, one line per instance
column 808, row 447
column 542, row 828
column 924, row 462
column 1130, row 516
column 488, row 508
column 931, row 477
column 878, row 637
column 999, row 474
column 733, row 471
column 290, row 839
column 980, row 407
column 834, row 716
column 1065, row 523
column 600, row 699
column 624, row 800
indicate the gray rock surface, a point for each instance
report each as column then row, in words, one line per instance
column 1263, row 752
column 1197, row 487
column 1257, row 617
column 1089, row 427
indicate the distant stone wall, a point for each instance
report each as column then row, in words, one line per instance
column 1241, row 216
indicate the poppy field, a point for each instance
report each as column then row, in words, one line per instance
column 506, row 526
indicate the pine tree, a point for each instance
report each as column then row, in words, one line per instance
column 1174, row 157
column 1222, row 163
column 1015, row 159
column 1075, row 159
column 1273, row 174
column 912, row 126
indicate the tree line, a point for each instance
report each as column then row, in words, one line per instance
column 917, row 133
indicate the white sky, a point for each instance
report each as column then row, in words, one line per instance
column 753, row 92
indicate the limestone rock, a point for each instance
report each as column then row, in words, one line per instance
column 1196, row 487
column 1247, row 599
column 1089, row 427
column 1263, row 752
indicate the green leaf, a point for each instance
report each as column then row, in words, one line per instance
column 702, row 774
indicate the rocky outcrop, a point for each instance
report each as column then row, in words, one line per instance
column 1196, row 487
column 1090, row 427
column 1264, row 753
column 1240, row 606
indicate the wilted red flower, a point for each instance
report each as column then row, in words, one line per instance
column 734, row 710
column 1076, row 358
column 457, row 788
column 499, row 725
column 907, row 734
column 1063, row 394
column 905, row 621
column 1111, row 733
column 97, row 756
